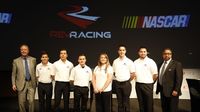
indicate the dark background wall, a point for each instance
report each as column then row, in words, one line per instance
column 32, row 22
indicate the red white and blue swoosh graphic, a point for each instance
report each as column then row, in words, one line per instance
column 76, row 17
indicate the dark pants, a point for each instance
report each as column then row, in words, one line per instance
column 80, row 98
column 145, row 96
column 62, row 88
column 103, row 101
column 123, row 91
column 45, row 90
column 169, row 104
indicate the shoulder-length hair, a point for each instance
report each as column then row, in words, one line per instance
column 107, row 63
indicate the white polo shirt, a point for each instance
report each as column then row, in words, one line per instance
column 101, row 77
column 123, row 68
column 81, row 76
column 44, row 72
column 62, row 70
column 145, row 69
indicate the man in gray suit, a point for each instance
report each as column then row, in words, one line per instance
column 24, row 79
column 169, row 82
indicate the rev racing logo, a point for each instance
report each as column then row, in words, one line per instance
column 76, row 15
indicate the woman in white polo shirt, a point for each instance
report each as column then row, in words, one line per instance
column 102, row 83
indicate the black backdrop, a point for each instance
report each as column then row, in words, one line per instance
column 32, row 22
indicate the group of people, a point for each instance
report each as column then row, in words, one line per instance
column 27, row 74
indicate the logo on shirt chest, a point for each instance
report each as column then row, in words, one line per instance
column 87, row 71
column 44, row 68
column 67, row 67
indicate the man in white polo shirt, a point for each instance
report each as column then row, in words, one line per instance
column 123, row 72
column 81, row 75
column 145, row 75
column 44, row 74
column 62, row 69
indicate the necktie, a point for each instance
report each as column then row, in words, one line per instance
column 162, row 72
column 28, row 77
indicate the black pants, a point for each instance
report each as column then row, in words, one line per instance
column 62, row 88
column 123, row 91
column 103, row 101
column 145, row 96
column 80, row 98
column 169, row 104
column 45, row 90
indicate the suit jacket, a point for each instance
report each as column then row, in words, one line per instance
column 172, row 79
column 18, row 72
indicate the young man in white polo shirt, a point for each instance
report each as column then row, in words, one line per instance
column 145, row 75
column 44, row 74
column 62, row 70
column 123, row 69
column 81, row 76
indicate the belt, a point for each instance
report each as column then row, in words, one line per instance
column 27, row 80
column 80, row 86
column 45, row 83
column 121, row 82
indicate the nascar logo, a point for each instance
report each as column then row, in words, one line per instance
column 5, row 18
column 169, row 21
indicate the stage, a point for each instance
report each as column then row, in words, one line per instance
column 10, row 104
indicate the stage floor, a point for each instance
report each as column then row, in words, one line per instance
column 10, row 105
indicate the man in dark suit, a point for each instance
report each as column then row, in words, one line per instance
column 169, row 82
column 24, row 78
